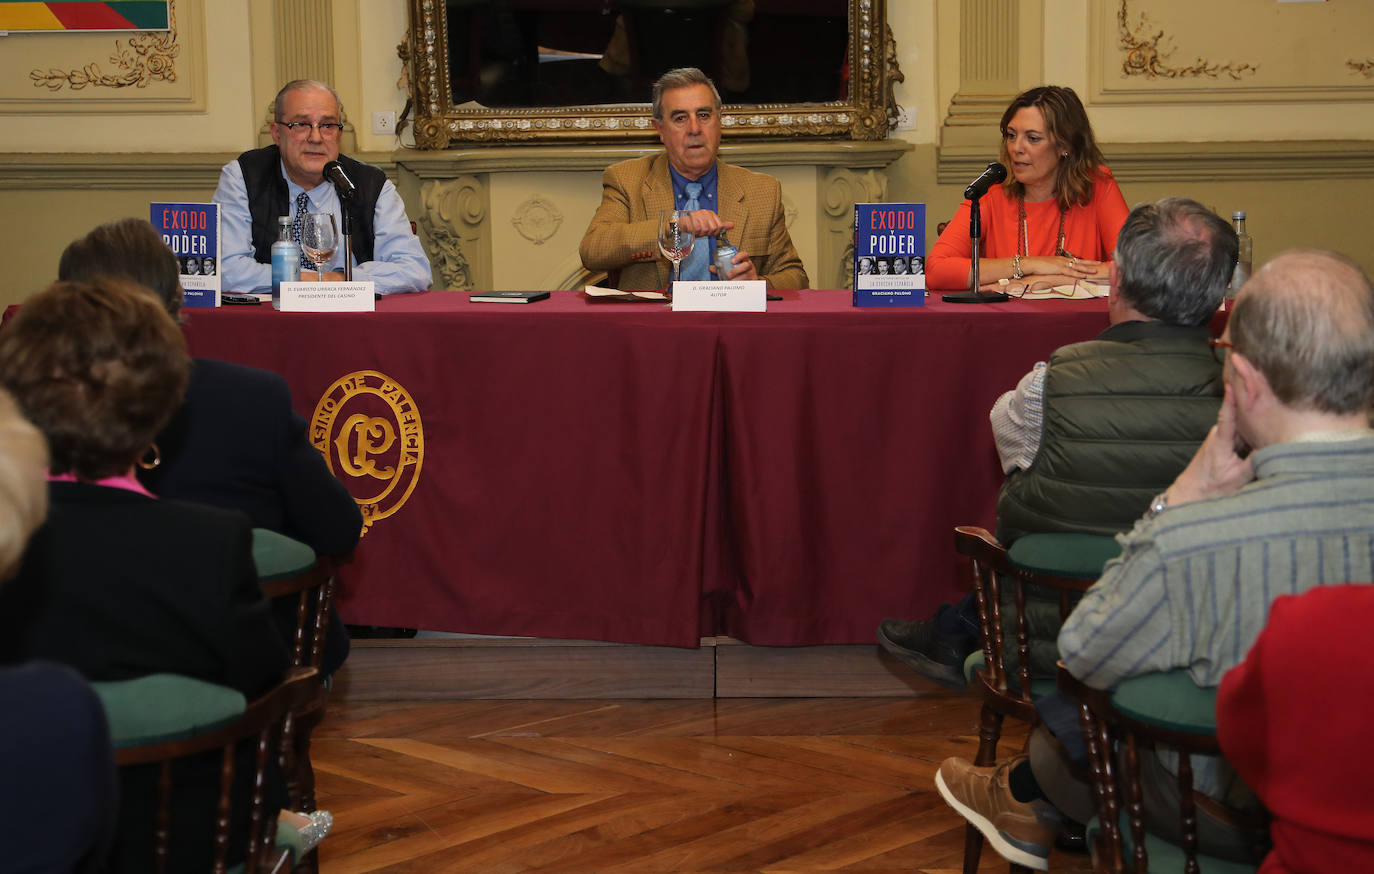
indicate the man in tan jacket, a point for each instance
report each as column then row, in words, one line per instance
column 746, row 206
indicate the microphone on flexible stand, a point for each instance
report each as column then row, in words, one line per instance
column 994, row 174
column 334, row 172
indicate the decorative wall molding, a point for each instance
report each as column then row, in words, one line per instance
column 146, row 71
column 99, row 171
column 304, row 34
column 1177, row 51
column 857, row 154
column 148, row 56
column 452, row 214
column 537, row 219
column 839, row 192
column 1144, row 55
column 1194, row 162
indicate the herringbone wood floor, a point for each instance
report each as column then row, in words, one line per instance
column 783, row 786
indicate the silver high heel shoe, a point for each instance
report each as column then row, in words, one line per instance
column 321, row 821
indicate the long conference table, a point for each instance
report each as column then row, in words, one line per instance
column 622, row 472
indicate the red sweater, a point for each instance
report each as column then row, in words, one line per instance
column 1294, row 721
column 1089, row 231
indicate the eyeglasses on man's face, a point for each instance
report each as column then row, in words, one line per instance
column 302, row 129
column 1218, row 348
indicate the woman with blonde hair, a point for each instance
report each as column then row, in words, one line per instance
column 1056, row 217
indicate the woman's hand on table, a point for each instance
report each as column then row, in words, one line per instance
column 1054, row 266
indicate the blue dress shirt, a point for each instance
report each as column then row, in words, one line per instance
column 399, row 264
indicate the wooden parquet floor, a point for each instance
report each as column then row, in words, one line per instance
column 784, row 786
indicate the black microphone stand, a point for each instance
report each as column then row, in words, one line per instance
column 975, row 233
column 346, row 228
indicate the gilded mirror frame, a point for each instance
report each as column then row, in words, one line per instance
column 868, row 114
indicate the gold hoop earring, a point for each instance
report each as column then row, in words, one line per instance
column 149, row 464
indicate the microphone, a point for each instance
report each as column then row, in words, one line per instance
column 335, row 173
column 976, row 189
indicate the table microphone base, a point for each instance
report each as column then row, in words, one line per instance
column 974, row 297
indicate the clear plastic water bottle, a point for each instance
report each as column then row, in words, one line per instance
column 725, row 257
column 286, row 260
column 1245, row 255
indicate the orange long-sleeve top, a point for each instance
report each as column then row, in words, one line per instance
column 1089, row 231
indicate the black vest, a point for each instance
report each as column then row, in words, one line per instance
column 268, row 200
column 1123, row 416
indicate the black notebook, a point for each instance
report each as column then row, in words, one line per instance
column 507, row 296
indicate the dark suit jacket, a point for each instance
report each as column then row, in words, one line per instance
column 623, row 234
column 237, row 443
column 119, row 585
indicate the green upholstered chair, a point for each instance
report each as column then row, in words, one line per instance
column 159, row 719
column 1143, row 714
column 1054, row 567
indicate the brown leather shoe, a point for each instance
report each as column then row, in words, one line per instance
column 1020, row 832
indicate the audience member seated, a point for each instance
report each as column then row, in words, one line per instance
column 1294, row 728
column 1279, row 499
column 287, row 179
column 118, row 584
column 53, row 738
column 1089, row 438
column 1056, row 217
column 235, row 441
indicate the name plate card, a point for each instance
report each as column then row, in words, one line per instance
column 745, row 296
column 328, row 297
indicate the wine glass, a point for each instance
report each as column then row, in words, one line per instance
column 319, row 238
column 675, row 237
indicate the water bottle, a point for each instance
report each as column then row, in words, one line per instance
column 1245, row 255
column 725, row 257
column 286, row 260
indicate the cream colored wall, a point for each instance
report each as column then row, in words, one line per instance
column 124, row 159
column 1283, row 210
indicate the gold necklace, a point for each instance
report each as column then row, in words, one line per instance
column 1023, row 238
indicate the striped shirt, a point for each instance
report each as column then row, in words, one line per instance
column 1018, row 420
column 1193, row 586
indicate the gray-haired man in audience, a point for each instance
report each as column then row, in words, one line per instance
column 1278, row 499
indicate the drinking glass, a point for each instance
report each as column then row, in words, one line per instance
column 675, row 237
column 319, row 238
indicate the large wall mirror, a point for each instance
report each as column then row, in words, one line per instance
column 581, row 70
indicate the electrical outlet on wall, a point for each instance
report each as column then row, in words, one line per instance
column 383, row 123
column 905, row 120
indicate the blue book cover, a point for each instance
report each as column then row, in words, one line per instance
column 191, row 230
column 889, row 254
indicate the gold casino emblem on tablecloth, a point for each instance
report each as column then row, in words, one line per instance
column 368, row 429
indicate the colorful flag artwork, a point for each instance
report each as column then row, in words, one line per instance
column 83, row 15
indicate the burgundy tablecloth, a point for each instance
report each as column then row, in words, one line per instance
column 622, row 472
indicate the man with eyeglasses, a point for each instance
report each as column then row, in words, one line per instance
column 1089, row 437
column 1279, row 499
column 287, row 179
column 688, row 175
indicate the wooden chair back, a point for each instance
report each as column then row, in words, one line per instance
column 1003, row 694
column 266, row 723
column 1118, row 736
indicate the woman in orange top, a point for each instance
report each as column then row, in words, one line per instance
column 1055, row 218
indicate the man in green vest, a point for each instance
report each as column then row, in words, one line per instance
column 1087, row 439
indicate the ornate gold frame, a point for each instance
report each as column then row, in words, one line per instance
column 869, row 113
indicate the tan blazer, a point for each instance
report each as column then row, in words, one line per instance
column 623, row 234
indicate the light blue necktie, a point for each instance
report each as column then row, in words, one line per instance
column 302, row 207
column 694, row 265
